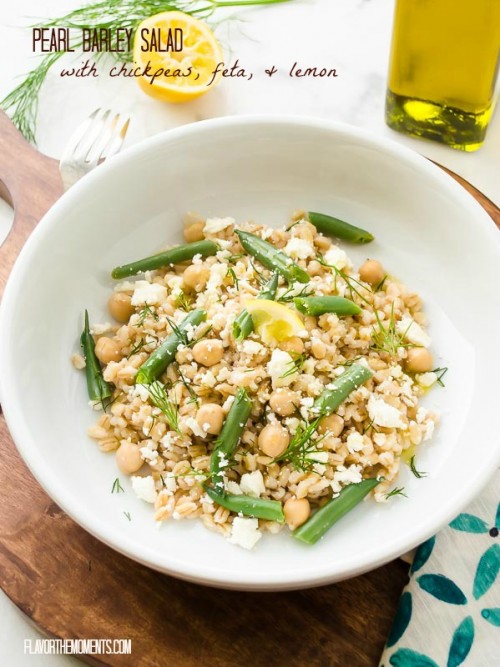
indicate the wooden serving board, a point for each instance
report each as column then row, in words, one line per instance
column 73, row 586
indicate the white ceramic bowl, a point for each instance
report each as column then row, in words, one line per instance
column 429, row 232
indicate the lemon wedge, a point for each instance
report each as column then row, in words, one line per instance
column 190, row 69
column 273, row 321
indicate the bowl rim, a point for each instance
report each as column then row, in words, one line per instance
column 201, row 573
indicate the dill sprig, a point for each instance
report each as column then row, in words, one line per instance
column 145, row 312
column 127, row 514
column 353, row 285
column 22, row 102
column 183, row 300
column 231, row 274
column 418, row 473
column 193, row 397
column 117, row 487
column 295, row 365
column 302, row 448
column 398, row 491
column 160, row 399
column 440, row 372
column 290, row 295
column 386, row 338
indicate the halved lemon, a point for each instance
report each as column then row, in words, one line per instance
column 273, row 321
column 191, row 69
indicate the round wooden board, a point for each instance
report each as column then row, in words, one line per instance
column 73, row 586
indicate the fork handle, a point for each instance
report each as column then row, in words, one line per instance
column 30, row 183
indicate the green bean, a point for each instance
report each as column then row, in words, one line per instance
column 175, row 255
column 243, row 324
column 229, row 436
column 260, row 508
column 339, row 229
column 97, row 387
column 318, row 305
column 157, row 362
column 272, row 259
column 337, row 391
column 324, row 518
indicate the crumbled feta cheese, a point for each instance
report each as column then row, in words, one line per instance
column 429, row 430
column 100, row 329
column 150, row 294
column 170, row 483
column 421, row 414
column 251, row 347
column 245, row 532
column 412, row 332
column 292, row 424
column 279, row 366
column 78, row 361
column 228, row 403
column 215, row 225
column 319, row 457
column 355, row 442
column 207, row 379
column 306, row 404
column 126, row 286
column 169, row 440
column 252, row 483
column 217, row 274
column 149, row 453
column 426, row 380
column 337, row 257
column 383, row 414
column 141, row 391
column 299, row 249
column 193, row 425
column 144, row 488
column 344, row 476
column 234, row 488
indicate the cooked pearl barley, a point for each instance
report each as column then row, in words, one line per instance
column 128, row 458
column 120, row 306
column 292, row 344
column 419, row 360
column 284, row 402
column 107, row 350
column 332, row 424
column 210, row 418
column 296, row 512
column 208, row 352
column 273, row 440
column 196, row 276
column 194, row 232
column 372, row 272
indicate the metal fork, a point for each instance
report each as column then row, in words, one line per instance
column 98, row 138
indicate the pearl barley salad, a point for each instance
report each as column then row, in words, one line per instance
column 255, row 379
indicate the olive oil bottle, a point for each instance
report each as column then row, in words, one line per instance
column 443, row 67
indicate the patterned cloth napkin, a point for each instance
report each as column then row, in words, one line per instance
column 449, row 613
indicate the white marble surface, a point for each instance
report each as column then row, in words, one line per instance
column 351, row 35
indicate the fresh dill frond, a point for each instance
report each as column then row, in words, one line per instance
column 160, row 399
column 371, row 426
column 440, row 372
column 193, row 397
column 181, row 335
column 137, row 348
column 350, row 362
column 260, row 276
column 117, row 487
column 201, row 336
column 418, row 473
column 146, row 311
column 183, row 300
column 353, row 285
column 302, row 448
column 290, row 295
column 231, row 273
column 232, row 259
column 127, row 514
column 378, row 287
column 386, row 338
column 398, row 491
column 295, row 365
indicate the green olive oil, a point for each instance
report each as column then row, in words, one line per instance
column 444, row 61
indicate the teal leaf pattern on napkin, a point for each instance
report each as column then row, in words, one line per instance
column 422, row 554
column 441, row 588
column 403, row 617
column 487, row 571
column 497, row 518
column 492, row 615
column 468, row 523
column 405, row 657
column 461, row 643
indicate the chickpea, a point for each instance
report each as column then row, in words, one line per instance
column 372, row 272
column 296, row 512
column 332, row 424
column 120, row 306
column 194, row 232
column 107, row 349
column 419, row 360
column 128, row 457
column 196, row 276
column 208, row 352
column 273, row 440
column 283, row 402
column 293, row 344
column 210, row 417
